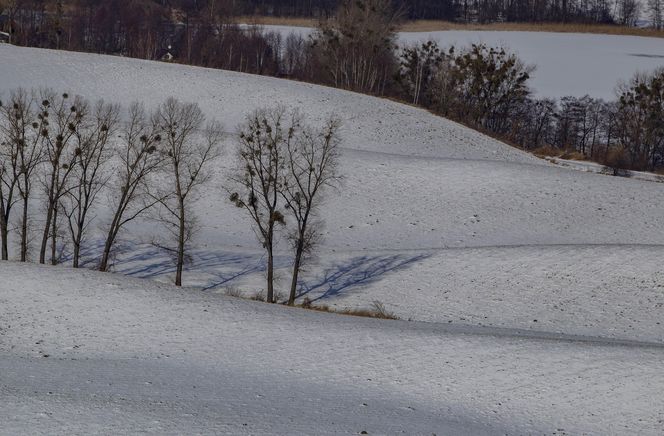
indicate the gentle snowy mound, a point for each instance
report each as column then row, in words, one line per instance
column 540, row 286
column 369, row 123
column 85, row 353
column 427, row 218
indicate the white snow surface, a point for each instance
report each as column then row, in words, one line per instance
column 567, row 63
column 535, row 291
column 91, row 353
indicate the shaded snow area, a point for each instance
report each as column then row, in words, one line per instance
column 530, row 295
column 85, row 352
column 567, row 63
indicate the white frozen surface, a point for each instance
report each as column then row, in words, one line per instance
column 417, row 187
column 439, row 222
column 84, row 352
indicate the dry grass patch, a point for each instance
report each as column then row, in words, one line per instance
column 377, row 310
column 604, row 29
column 572, row 155
column 276, row 21
column 547, row 151
column 233, row 291
column 439, row 25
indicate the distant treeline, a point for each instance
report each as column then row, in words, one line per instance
column 48, row 16
column 468, row 11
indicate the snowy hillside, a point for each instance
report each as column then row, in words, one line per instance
column 535, row 290
column 418, row 191
column 91, row 353
column 567, row 63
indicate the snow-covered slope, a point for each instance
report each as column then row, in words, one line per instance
column 567, row 63
column 418, row 191
column 91, row 353
column 507, row 258
column 371, row 123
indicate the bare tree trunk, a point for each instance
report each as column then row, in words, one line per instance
column 181, row 239
column 4, row 229
column 103, row 263
column 47, row 230
column 77, row 251
column 110, row 240
column 5, row 241
column 296, row 272
column 24, row 231
column 54, row 237
column 270, row 274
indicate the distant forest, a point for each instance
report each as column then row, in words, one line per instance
column 146, row 28
column 624, row 12
column 466, row 11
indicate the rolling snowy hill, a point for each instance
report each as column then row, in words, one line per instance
column 507, row 258
column 91, row 353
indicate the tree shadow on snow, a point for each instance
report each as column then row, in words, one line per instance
column 143, row 260
column 214, row 269
column 359, row 271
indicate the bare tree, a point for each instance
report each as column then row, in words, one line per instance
column 65, row 118
column 90, row 171
column 138, row 161
column 12, row 7
column 189, row 155
column 8, row 199
column 312, row 162
column 9, row 175
column 263, row 141
column 627, row 11
column 419, row 63
column 655, row 13
column 23, row 128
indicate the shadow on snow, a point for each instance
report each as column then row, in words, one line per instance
column 358, row 271
column 214, row 269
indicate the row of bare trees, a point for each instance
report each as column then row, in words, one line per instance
column 63, row 156
column 76, row 151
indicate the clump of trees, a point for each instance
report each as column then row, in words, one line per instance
column 284, row 167
column 78, row 151
column 355, row 48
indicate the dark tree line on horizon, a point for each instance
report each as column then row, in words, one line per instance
column 199, row 30
column 66, row 22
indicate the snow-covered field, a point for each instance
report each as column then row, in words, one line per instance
column 500, row 259
column 567, row 63
column 85, row 353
